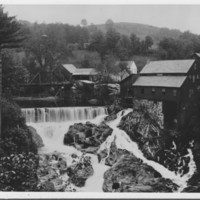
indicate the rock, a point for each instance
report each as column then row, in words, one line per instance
column 114, row 156
column 74, row 155
column 48, row 186
column 80, row 171
column 87, row 137
column 133, row 176
column 36, row 137
column 110, row 117
column 193, row 184
column 52, row 172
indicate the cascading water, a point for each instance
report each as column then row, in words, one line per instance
column 52, row 123
column 123, row 141
column 41, row 115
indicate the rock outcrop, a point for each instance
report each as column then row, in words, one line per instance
column 54, row 174
column 80, row 171
column 87, row 137
column 36, row 137
column 130, row 175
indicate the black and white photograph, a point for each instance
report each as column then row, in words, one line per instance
column 100, row 99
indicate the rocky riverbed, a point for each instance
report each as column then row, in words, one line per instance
column 125, row 171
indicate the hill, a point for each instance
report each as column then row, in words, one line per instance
column 142, row 30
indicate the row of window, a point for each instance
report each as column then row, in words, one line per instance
column 192, row 77
column 163, row 90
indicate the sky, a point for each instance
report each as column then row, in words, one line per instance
column 182, row 17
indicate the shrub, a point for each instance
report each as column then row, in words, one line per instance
column 18, row 172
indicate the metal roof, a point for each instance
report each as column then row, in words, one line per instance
column 198, row 54
column 130, row 66
column 160, row 81
column 85, row 71
column 69, row 67
column 167, row 66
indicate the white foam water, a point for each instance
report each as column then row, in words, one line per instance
column 52, row 124
column 123, row 141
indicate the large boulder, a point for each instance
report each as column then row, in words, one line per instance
column 129, row 174
column 113, row 155
column 144, row 126
column 144, row 129
column 80, row 171
column 36, row 137
column 87, row 137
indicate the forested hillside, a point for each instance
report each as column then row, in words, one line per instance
column 142, row 30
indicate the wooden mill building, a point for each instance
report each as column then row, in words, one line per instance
column 175, row 83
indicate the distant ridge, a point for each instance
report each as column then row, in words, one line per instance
column 142, row 30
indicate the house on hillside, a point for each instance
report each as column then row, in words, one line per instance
column 73, row 73
column 174, row 82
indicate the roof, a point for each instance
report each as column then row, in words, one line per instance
column 79, row 71
column 130, row 66
column 69, row 67
column 197, row 54
column 160, row 81
column 85, row 71
column 167, row 66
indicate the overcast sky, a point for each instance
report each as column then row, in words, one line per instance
column 183, row 17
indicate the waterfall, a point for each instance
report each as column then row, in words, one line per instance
column 52, row 124
column 62, row 114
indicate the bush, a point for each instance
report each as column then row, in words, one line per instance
column 18, row 152
column 15, row 136
column 18, row 172
column 11, row 115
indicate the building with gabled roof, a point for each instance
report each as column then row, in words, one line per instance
column 80, row 73
column 167, row 67
column 70, row 68
column 174, row 82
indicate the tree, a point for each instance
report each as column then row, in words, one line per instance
column 97, row 42
column 109, row 24
column 11, row 34
column 112, row 38
column 148, row 43
column 134, row 44
column 84, row 22
column 14, row 72
column 123, row 48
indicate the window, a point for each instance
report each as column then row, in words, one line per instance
column 197, row 76
column 174, row 92
column 153, row 90
column 193, row 78
column 163, row 91
column 191, row 91
column 142, row 91
column 190, row 76
column 195, row 66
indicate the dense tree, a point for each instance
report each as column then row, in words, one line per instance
column 14, row 73
column 123, row 48
column 11, row 33
column 97, row 42
column 134, row 44
column 112, row 38
column 109, row 24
